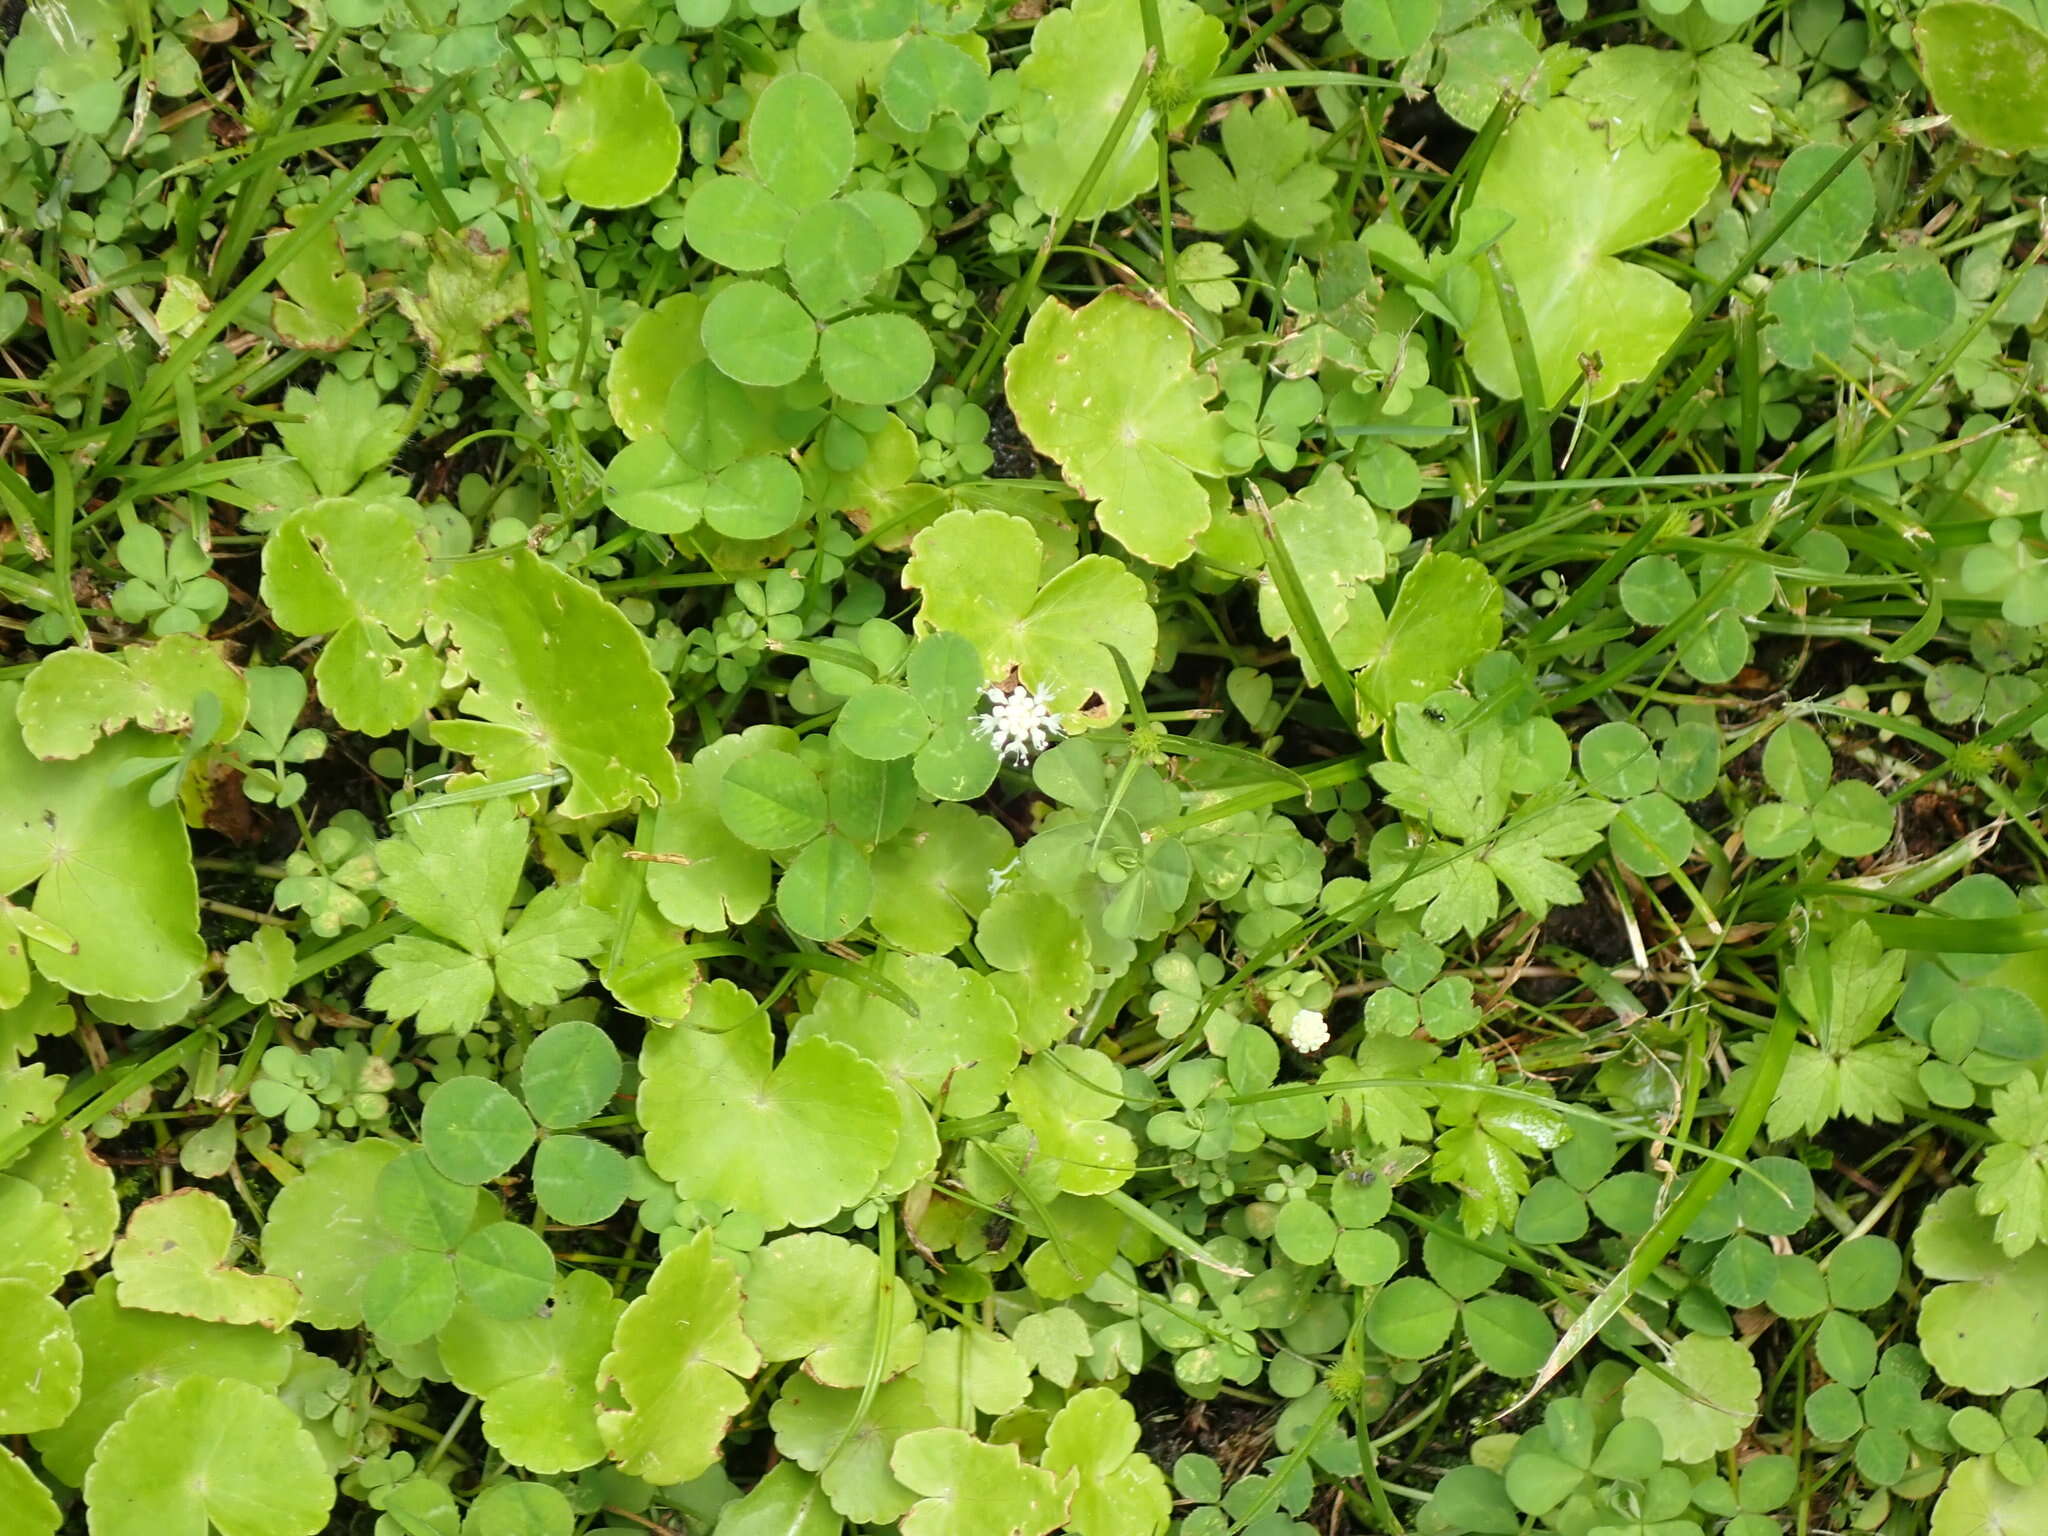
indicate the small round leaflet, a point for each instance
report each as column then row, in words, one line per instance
column 758, row 335
column 474, row 1130
column 875, row 359
column 570, row 1073
column 620, row 138
column 800, row 139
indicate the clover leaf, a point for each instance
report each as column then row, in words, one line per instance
column 794, row 1142
column 1109, row 390
column 1577, row 204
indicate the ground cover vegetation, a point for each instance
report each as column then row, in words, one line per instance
column 1152, row 765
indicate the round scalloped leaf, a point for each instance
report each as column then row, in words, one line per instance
column 324, row 1231
column 474, row 1130
column 875, row 359
column 519, row 1509
column 800, row 139
column 537, row 1376
column 570, row 1072
column 557, row 662
column 1073, row 85
column 787, row 1502
column 651, row 356
column 1111, row 392
column 928, row 76
column 756, row 334
column 1987, row 1330
column 35, row 1240
column 1577, row 203
column 793, row 1144
column 1116, row 1490
column 1985, row 65
column 1711, row 1408
column 620, row 141
column 209, row 1451
column 963, row 1045
column 676, row 1361
column 812, row 1297
column 111, row 870
column 40, row 1364
column 63, row 1167
column 978, row 575
column 973, row 1489
column 30, row 1509
column 824, row 1430
column 127, row 1353
column 1978, row 1501
column 174, row 1257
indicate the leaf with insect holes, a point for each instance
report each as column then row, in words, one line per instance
column 1110, row 391
column 174, row 1257
column 1577, row 204
column 74, row 698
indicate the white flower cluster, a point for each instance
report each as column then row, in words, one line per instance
column 1020, row 722
column 1307, row 1032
